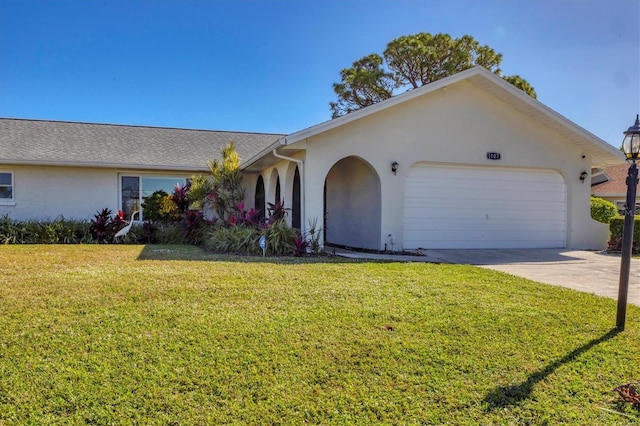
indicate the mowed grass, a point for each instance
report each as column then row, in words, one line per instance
column 173, row 335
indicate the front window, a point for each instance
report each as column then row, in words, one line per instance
column 6, row 186
column 135, row 189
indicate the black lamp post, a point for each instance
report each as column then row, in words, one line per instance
column 631, row 148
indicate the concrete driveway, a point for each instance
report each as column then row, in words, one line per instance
column 588, row 271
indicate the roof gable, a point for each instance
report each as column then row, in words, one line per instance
column 601, row 152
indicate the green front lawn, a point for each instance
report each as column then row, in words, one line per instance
column 172, row 335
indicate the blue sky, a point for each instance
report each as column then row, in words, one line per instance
column 269, row 65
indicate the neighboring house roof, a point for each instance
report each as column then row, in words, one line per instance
column 616, row 186
column 106, row 145
column 601, row 152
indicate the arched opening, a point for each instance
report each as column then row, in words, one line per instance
column 295, row 201
column 352, row 205
column 259, row 200
column 278, row 198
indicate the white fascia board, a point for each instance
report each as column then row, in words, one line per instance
column 612, row 195
column 548, row 112
column 499, row 82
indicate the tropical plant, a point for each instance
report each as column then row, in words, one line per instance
column 244, row 217
column 160, row 207
column 238, row 239
column 104, row 226
column 313, row 237
column 222, row 189
column 199, row 191
column 180, row 197
column 277, row 211
column 193, row 225
column 280, row 238
column 301, row 245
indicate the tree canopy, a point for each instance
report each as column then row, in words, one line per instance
column 412, row 61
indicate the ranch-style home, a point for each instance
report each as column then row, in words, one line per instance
column 468, row 161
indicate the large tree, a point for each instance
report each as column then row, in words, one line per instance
column 364, row 84
column 409, row 62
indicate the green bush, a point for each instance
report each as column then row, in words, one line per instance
column 160, row 206
column 238, row 239
column 616, row 228
column 57, row 231
column 602, row 210
column 169, row 233
column 280, row 238
column 244, row 239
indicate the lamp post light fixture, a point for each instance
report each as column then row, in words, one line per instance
column 631, row 149
column 394, row 167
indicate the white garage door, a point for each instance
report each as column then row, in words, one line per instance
column 475, row 207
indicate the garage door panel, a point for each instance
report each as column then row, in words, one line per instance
column 493, row 225
column 443, row 239
column 474, row 207
column 497, row 213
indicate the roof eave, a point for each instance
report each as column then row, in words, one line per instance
column 602, row 153
column 268, row 151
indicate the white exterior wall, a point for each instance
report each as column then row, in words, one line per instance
column 43, row 193
column 48, row 192
column 285, row 170
column 455, row 125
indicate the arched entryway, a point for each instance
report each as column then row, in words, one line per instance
column 259, row 200
column 352, row 204
column 296, row 210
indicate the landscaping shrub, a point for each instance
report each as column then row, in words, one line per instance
column 58, row 231
column 104, row 226
column 280, row 238
column 194, row 227
column 602, row 210
column 161, row 207
column 169, row 233
column 313, row 237
column 180, row 197
column 277, row 211
column 238, row 239
column 616, row 227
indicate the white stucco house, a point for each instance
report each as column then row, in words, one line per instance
column 466, row 162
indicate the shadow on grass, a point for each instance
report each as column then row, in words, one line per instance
column 505, row 396
column 194, row 253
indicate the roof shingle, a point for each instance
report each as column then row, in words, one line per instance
column 107, row 145
column 616, row 186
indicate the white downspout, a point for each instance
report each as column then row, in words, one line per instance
column 303, row 219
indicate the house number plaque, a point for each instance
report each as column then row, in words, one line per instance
column 493, row 155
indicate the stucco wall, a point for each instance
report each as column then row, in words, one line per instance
column 42, row 193
column 353, row 204
column 285, row 171
column 455, row 125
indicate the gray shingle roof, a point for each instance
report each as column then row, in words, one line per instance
column 106, row 145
